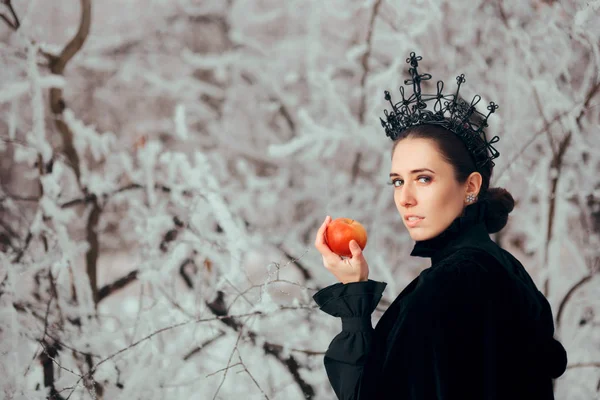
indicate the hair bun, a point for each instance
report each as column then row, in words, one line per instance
column 500, row 204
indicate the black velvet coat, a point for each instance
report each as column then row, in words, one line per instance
column 471, row 326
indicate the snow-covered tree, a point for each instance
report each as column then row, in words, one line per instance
column 165, row 165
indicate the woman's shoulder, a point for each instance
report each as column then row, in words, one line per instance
column 465, row 276
column 467, row 269
column 491, row 262
column 468, row 259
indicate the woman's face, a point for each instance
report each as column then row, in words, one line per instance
column 425, row 185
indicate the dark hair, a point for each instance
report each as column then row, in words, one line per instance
column 500, row 201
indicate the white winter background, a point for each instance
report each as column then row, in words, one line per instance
column 165, row 165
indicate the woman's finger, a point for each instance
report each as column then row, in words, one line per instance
column 321, row 244
column 320, row 239
column 355, row 249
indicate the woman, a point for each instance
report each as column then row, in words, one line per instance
column 471, row 326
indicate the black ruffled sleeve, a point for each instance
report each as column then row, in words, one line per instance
column 353, row 303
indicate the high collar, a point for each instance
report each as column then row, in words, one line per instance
column 467, row 228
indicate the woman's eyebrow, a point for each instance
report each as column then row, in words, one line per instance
column 414, row 171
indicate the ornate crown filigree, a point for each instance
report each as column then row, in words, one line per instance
column 449, row 111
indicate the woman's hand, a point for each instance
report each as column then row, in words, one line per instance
column 346, row 270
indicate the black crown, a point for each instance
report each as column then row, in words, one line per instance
column 449, row 111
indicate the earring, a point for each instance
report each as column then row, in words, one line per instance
column 471, row 198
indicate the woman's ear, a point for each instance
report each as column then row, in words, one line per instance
column 474, row 183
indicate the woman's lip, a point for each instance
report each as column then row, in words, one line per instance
column 413, row 223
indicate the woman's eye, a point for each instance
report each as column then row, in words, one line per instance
column 398, row 182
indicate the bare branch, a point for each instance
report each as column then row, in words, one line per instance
column 218, row 307
column 260, row 286
column 538, row 104
column 59, row 64
column 557, row 164
column 92, row 254
column 8, row 21
column 47, row 360
column 168, row 328
column 568, row 296
column 57, row 104
column 15, row 24
column 50, row 350
column 305, row 272
column 24, row 248
column 584, row 365
column 14, row 14
column 203, row 345
column 531, row 140
column 222, row 369
column 151, row 335
column 307, row 352
column 120, row 283
column 594, row 90
column 91, row 198
column 250, row 375
column 363, row 80
column 365, row 61
column 229, row 362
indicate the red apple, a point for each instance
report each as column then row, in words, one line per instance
column 341, row 231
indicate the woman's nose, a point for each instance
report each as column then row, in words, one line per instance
column 407, row 197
